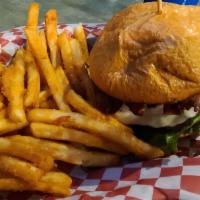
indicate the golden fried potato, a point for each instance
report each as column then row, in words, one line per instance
column 51, row 35
column 77, row 56
column 7, row 126
column 79, row 34
column 43, row 39
column 5, row 175
column 13, row 88
column 21, row 169
column 2, row 68
column 2, row 100
column 112, row 133
column 69, row 153
column 54, row 132
column 48, row 104
column 44, row 95
column 44, row 115
column 26, row 152
column 88, row 86
column 62, row 78
column 3, row 113
column 31, row 98
column 65, row 48
column 12, row 184
column 66, row 54
column 56, row 183
column 74, row 59
column 42, row 58
column 102, row 128
column 33, row 15
column 82, row 106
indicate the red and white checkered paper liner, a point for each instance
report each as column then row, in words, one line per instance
column 174, row 177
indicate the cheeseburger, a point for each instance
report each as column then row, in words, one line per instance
column 151, row 62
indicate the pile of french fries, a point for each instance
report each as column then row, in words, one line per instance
column 43, row 119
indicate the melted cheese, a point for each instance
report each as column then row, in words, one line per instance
column 153, row 117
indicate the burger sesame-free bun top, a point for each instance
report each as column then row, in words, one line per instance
column 146, row 57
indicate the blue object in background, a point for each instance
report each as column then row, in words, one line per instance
column 183, row 2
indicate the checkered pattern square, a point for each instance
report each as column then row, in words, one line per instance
column 13, row 39
column 130, row 174
column 174, row 177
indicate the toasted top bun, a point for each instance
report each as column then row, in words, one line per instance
column 146, row 57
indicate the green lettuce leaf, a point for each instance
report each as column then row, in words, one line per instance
column 168, row 141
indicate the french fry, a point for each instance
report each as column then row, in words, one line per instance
column 79, row 75
column 79, row 34
column 5, row 175
column 50, row 115
column 112, row 133
column 12, row 184
column 45, row 104
column 31, row 98
column 74, row 80
column 44, row 115
column 32, row 21
column 66, row 53
column 26, row 152
column 13, row 88
column 44, row 95
column 77, row 56
column 21, row 169
column 73, row 61
column 56, row 183
column 65, row 48
column 62, row 78
column 2, row 105
column 79, row 104
column 33, row 15
column 87, row 85
column 43, row 39
column 44, row 43
column 51, row 35
column 7, row 125
column 57, row 178
column 2, row 68
column 70, row 154
column 3, row 113
column 53, row 132
column 101, row 128
column 48, row 104
column 2, row 98
column 47, row 68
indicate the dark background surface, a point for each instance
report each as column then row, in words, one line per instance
column 13, row 12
